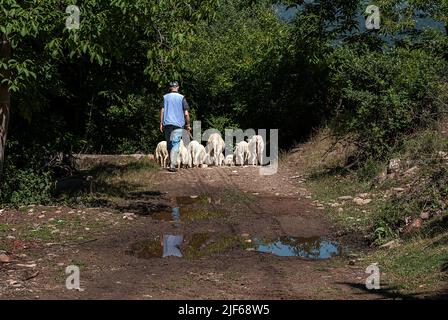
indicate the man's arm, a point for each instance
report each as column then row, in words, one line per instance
column 161, row 119
column 187, row 120
column 186, row 108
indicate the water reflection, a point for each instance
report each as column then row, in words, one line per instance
column 167, row 246
column 171, row 246
column 190, row 246
column 314, row 248
column 186, row 214
column 176, row 214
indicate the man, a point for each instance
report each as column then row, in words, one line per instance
column 173, row 117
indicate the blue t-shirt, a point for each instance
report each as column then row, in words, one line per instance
column 175, row 106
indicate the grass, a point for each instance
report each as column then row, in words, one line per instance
column 113, row 182
column 418, row 264
column 327, row 188
column 80, row 264
column 70, row 228
column 415, row 267
column 190, row 214
column 4, row 227
column 43, row 233
column 233, row 196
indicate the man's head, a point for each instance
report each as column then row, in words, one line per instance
column 174, row 86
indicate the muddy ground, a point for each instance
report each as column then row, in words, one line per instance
column 226, row 214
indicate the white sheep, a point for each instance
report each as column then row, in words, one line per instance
column 256, row 149
column 192, row 146
column 208, row 160
column 183, row 158
column 162, row 154
column 229, row 160
column 199, row 155
column 241, row 153
column 221, row 159
column 216, row 146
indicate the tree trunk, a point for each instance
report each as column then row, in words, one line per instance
column 5, row 101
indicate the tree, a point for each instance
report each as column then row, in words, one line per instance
column 150, row 34
column 5, row 100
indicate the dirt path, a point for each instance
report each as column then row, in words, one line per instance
column 223, row 215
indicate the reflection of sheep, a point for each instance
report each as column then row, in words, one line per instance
column 162, row 154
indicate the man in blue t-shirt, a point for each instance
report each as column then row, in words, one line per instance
column 174, row 116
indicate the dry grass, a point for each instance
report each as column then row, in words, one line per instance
column 320, row 153
column 418, row 267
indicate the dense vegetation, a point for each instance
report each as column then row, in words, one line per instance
column 98, row 89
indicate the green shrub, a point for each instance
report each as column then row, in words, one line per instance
column 424, row 146
column 369, row 170
column 383, row 96
column 428, row 193
column 26, row 186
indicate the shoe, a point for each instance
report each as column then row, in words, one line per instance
column 172, row 169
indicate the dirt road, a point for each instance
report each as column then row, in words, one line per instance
column 224, row 223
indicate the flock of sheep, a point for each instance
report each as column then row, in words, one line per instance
column 196, row 155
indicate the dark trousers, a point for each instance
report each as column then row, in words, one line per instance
column 173, row 136
column 168, row 130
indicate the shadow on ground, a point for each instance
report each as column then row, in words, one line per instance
column 102, row 186
column 391, row 293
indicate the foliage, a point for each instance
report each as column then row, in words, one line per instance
column 26, row 186
column 98, row 89
column 128, row 125
column 233, row 63
column 381, row 96
column 57, row 76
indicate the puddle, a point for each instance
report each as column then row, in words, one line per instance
column 315, row 248
column 194, row 246
column 169, row 216
column 159, row 247
column 170, row 246
column 186, row 214
column 147, row 249
column 189, row 209
column 187, row 201
column 200, row 245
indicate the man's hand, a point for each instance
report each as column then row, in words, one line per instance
column 162, row 111
column 187, row 121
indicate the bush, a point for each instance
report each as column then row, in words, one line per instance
column 369, row 170
column 26, row 186
column 428, row 193
column 383, row 96
column 128, row 125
